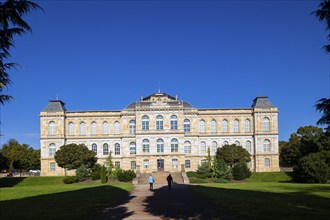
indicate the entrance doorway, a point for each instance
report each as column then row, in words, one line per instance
column 160, row 165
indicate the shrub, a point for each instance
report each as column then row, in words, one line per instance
column 313, row 168
column 125, row 175
column 82, row 173
column 103, row 175
column 221, row 169
column 241, row 171
column 192, row 174
column 70, row 180
column 219, row 180
column 197, row 180
column 96, row 172
column 204, row 171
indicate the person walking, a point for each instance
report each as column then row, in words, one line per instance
column 169, row 181
column 151, row 181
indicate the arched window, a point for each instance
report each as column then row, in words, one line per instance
column 203, row 147
column 82, row 128
column 145, row 146
column 132, row 126
column 213, row 126
column 117, row 149
column 225, row 126
column 225, row 143
column 265, row 124
column 236, row 125
column 174, row 122
column 94, row 148
column 160, row 146
column 71, row 128
column 94, row 126
column 186, row 125
column 51, row 128
column 52, row 150
column 248, row 146
column 105, row 149
column 214, row 147
column 266, row 145
column 132, row 148
column 159, row 122
column 202, row 126
column 174, row 145
column 187, row 147
column 237, row 143
column 247, row 125
column 145, row 122
column 117, row 127
column 105, row 128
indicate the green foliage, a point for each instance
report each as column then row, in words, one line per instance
column 278, row 177
column 70, row 180
column 72, row 156
column 20, row 156
column 197, row 180
column 241, row 171
column 125, row 175
column 232, row 154
column 323, row 106
column 219, row 180
column 110, row 166
column 221, row 169
column 204, row 170
column 82, row 173
column 96, row 172
column 313, row 168
column 3, row 161
column 192, row 174
column 103, row 174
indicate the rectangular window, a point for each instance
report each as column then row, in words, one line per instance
column 267, row 162
column 174, row 163
column 52, row 166
column 145, row 164
column 117, row 164
column 187, row 163
column 133, row 165
column 132, row 148
column 186, row 127
column 159, row 125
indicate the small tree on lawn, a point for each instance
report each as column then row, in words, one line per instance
column 221, row 169
column 72, row 156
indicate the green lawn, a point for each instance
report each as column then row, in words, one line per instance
column 270, row 196
column 50, row 198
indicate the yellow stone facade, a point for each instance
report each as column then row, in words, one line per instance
column 161, row 132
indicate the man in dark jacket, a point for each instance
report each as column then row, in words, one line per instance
column 169, row 181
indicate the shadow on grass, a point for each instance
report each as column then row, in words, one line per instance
column 267, row 205
column 182, row 203
column 10, row 181
column 90, row 203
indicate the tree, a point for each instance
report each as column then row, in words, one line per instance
column 232, row 154
column 323, row 105
column 11, row 24
column 221, row 169
column 72, row 156
column 20, row 156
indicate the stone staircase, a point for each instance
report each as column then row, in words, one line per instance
column 160, row 177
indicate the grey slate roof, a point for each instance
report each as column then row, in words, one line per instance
column 262, row 102
column 55, row 106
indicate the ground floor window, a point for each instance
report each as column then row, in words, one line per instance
column 52, row 166
column 133, row 165
column 117, row 164
column 174, row 163
column 267, row 162
column 187, row 163
column 146, row 164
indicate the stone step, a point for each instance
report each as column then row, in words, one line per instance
column 160, row 177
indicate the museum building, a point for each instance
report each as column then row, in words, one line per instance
column 161, row 133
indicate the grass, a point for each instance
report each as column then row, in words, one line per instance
column 270, row 196
column 50, row 198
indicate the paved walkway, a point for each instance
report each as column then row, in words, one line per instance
column 161, row 203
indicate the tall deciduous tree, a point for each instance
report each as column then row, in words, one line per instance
column 20, row 156
column 11, row 24
column 72, row 156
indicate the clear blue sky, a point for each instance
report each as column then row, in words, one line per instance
column 103, row 55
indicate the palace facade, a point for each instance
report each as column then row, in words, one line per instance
column 161, row 133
